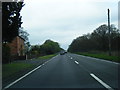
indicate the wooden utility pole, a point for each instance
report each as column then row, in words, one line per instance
column 109, row 36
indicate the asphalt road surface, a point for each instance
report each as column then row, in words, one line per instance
column 72, row 71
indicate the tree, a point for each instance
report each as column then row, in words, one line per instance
column 11, row 20
column 24, row 34
column 50, row 47
column 82, row 43
column 34, row 51
column 97, row 40
column 100, row 37
column 115, row 38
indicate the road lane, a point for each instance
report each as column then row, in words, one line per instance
column 106, row 71
column 59, row 72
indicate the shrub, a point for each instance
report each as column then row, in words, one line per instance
column 5, row 53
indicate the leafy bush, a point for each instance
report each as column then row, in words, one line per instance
column 5, row 53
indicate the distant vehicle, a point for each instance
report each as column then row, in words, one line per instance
column 63, row 52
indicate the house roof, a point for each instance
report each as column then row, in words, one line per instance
column 21, row 37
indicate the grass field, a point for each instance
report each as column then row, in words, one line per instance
column 16, row 67
column 47, row 56
column 10, row 69
column 102, row 56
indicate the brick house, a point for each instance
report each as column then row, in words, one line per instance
column 17, row 47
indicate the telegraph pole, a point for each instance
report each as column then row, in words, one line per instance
column 109, row 31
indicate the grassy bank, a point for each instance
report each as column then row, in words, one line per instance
column 15, row 68
column 46, row 57
column 102, row 56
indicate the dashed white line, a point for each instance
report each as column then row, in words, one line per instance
column 76, row 62
column 71, row 58
column 101, row 82
column 45, row 62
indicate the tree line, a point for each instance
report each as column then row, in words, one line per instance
column 98, row 40
column 47, row 48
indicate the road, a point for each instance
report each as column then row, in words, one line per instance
column 72, row 71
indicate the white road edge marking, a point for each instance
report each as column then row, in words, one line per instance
column 101, row 82
column 23, row 76
column 76, row 62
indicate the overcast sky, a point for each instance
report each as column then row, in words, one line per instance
column 64, row 20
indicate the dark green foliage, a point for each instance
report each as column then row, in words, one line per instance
column 47, row 48
column 5, row 53
column 97, row 40
column 34, row 51
column 11, row 20
column 50, row 47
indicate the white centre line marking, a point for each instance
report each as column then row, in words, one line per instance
column 76, row 62
column 101, row 82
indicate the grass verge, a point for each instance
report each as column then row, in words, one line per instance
column 46, row 57
column 102, row 56
column 18, row 68
column 13, row 68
